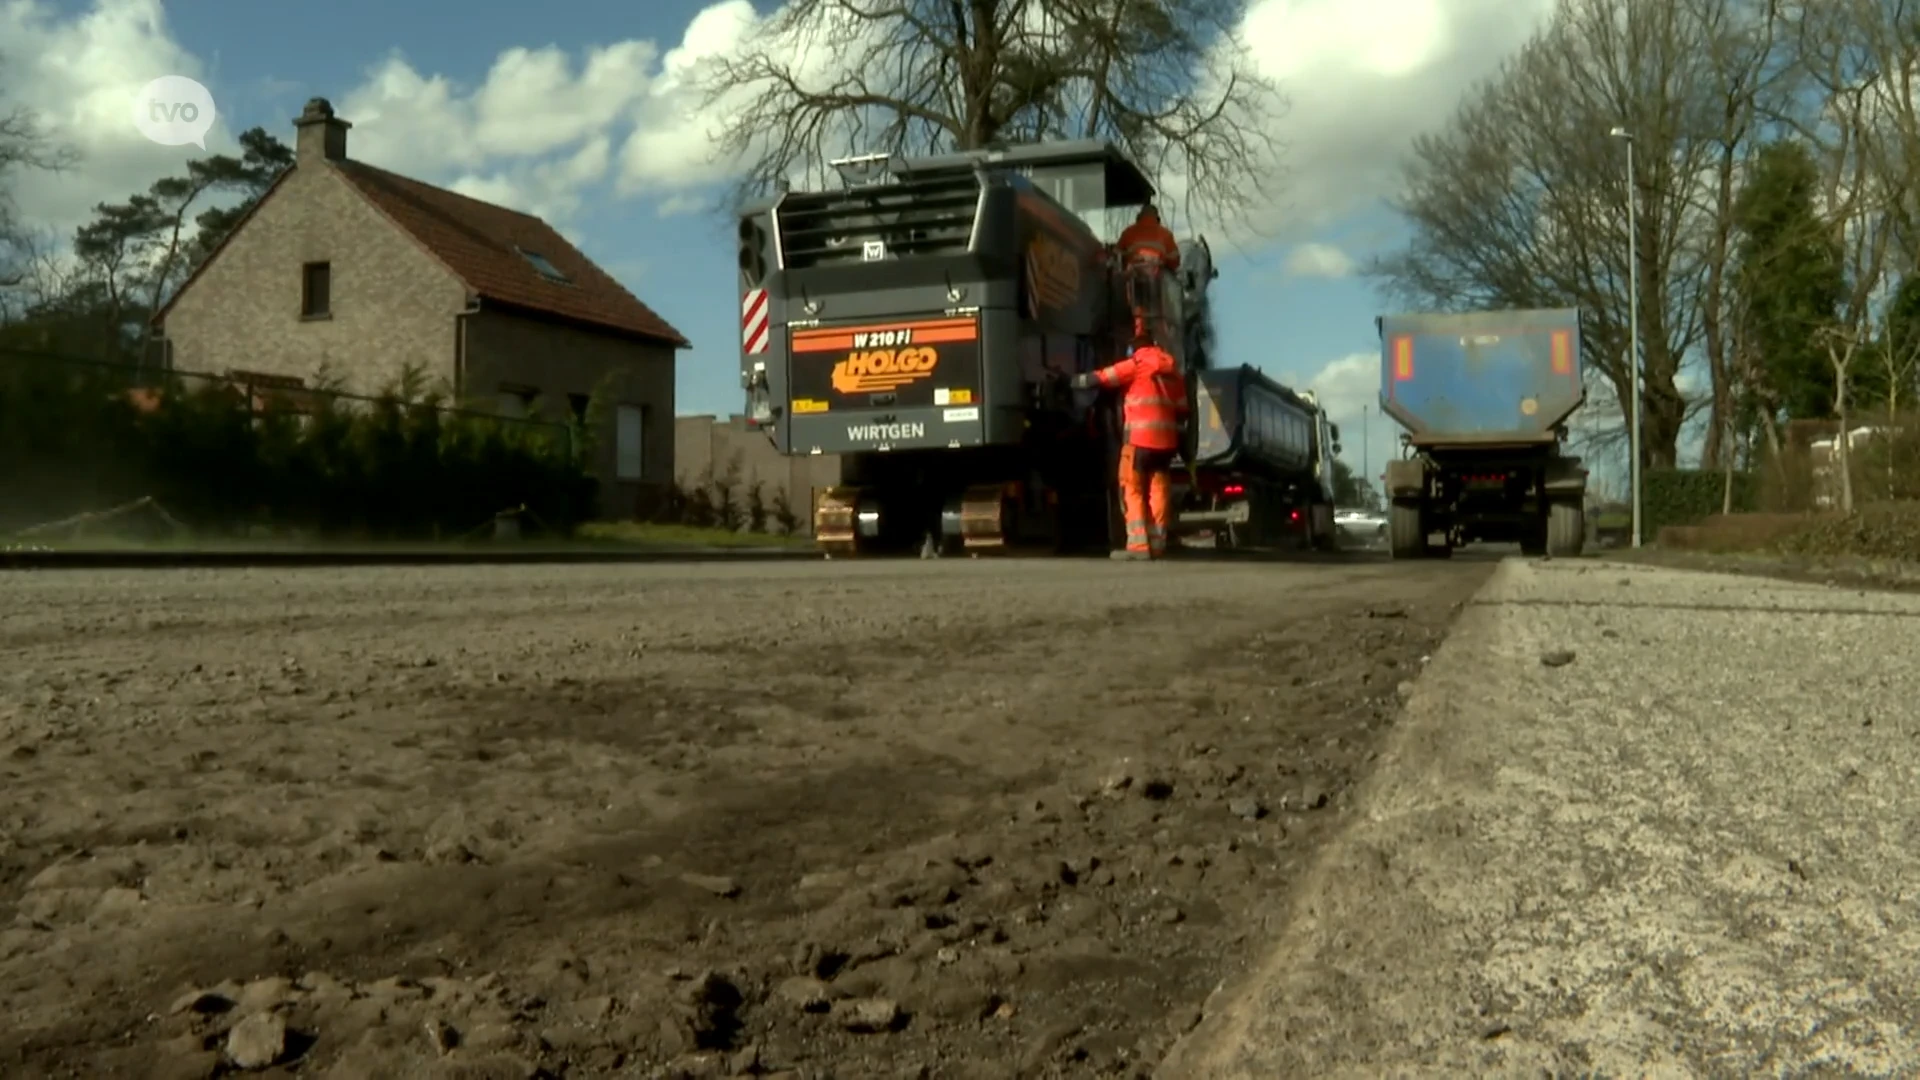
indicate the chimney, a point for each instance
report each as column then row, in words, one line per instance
column 322, row 136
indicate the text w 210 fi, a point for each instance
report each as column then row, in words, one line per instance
column 923, row 321
column 1484, row 399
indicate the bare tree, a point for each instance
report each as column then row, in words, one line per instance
column 1855, row 63
column 1521, row 202
column 1744, row 393
column 1753, row 77
column 1170, row 80
column 1899, row 358
column 1864, row 56
column 24, row 144
column 1843, row 347
column 1870, row 49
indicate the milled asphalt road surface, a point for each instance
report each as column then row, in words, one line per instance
column 1688, row 851
column 976, row 818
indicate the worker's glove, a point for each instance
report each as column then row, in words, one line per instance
column 1082, row 381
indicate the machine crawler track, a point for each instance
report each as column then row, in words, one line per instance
column 847, row 522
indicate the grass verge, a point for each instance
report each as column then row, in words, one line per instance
column 1878, row 547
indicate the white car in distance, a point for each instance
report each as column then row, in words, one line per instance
column 1362, row 528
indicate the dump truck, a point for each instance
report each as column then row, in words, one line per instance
column 1262, row 464
column 923, row 320
column 1483, row 399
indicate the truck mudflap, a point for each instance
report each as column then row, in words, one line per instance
column 1566, row 478
column 847, row 519
column 1406, row 478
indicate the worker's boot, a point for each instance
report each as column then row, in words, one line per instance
column 1131, row 555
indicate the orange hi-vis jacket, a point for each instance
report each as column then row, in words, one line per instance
column 1156, row 397
column 1150, row 241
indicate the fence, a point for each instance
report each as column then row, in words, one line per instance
column 242, row 451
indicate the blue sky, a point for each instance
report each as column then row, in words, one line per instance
column 573, row 111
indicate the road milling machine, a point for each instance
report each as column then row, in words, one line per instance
column 923, row 320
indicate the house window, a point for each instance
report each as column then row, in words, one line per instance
column 316, row 290
column 547, row 270
column 631, row 422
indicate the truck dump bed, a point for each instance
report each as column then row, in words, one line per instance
column 1481, row 378
column 1248, row 421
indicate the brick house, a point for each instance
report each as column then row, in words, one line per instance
column 366, row 273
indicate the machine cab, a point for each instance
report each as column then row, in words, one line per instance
column 1099, row 185
column 1093, row 179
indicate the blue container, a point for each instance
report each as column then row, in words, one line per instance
column 1483, row 377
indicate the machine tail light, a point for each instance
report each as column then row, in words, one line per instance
column 1233, row 489
column 1294, row 516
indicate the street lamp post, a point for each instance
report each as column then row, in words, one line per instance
column 1633, row 324
column 1366, row 448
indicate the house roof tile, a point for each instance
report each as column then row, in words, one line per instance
column 487, row 247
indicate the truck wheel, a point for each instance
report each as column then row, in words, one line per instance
column 1566, row 529
column 1406, row 533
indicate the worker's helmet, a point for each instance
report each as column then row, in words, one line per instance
column 1149, row 213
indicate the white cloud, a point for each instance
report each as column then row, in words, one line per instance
column 549, row 189
column 532, row 103
column 541, row 130
column 546, row 129
column 1364, row 77
column 1319, row 261
column 536, row 135
column 80, row 75
column 1346, row 386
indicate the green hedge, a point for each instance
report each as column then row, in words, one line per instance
column 1686, row 496
column 72, row 439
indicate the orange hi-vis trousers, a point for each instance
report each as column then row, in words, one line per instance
column 1146, row 493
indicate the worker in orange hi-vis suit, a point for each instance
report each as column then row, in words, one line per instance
column 1154, row 405
column 1147, row 252
column 1148, row 241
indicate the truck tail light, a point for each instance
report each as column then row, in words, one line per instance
column 1563, row 352
column 1402, row 358
column 1233, row 489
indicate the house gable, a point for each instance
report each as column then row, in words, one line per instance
column 392, row 303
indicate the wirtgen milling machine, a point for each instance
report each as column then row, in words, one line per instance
column 923, row 321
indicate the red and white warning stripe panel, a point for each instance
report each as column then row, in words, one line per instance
column 756, row 327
